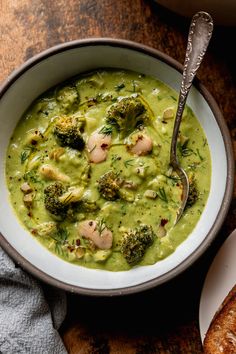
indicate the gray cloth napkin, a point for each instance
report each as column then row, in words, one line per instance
column 30, row 313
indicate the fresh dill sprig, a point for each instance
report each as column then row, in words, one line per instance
column 173, row 178
column 119, row 87
column 60, row 238
column 199, row 155
column 106, row 130
column 101, row 225
column 128, row 163
column 31, row 176
column 162, row 194
column 25, row 154
column 184, row 149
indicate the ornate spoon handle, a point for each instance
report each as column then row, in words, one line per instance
column 200, row 32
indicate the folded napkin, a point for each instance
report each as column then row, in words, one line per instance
column 30, row 312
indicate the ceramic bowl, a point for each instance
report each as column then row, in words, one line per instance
column 60, row 63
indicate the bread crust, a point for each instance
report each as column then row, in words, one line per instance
column 221, row 335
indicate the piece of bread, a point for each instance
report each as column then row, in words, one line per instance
column 221, row 335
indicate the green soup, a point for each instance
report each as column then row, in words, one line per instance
column 88, row 170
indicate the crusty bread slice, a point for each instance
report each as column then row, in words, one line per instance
column 221, row 335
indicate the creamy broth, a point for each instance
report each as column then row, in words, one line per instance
column 134, row 152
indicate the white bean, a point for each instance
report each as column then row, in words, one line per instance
column 88, row 229
column 141, row 145
column 98, row 145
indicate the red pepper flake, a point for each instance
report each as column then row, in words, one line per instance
column 163, row 222
column 30, row 214
column 71, row 248
column 34, row 232
column 104, row 146
column 77, row 242
column 140, row 137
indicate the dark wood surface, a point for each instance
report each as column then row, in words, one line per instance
column 165, row 319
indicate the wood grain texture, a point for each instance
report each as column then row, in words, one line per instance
column 162, row 320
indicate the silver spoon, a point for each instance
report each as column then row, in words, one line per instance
column 200, row 32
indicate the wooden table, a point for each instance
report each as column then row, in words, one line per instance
column 165, row 319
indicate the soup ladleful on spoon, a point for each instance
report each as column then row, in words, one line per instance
column 200, row 33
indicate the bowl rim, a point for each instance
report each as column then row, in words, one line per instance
column 25, row 264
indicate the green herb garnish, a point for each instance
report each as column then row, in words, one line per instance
column 62, row 235
column 162, row 194
column 25, row 154
column 119, row 86
column 128, row 163
column 199, row 155
column 101, row 225
column 31, row 176
column 106, row 130
column 173, row 178
column 184, row 149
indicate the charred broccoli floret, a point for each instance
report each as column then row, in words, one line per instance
column 68, row 98
column 109, row 185
column 193, row 193
column 68, row 132
column 135, row 242
column 126, row 114
column 52, row 202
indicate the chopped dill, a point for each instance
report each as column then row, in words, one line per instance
column 184, row 149
column 31, row 176
column 60, row 237
column 128, row 163
column 94, row 147
column 101, row 225
column 162, row 194
column 173, row 178
column 25, row 154
column 119, row 87
column 106, row 130
column 199, row 155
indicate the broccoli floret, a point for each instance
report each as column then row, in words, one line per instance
column 193, row 193
column 109, row 185
column 135, row 242
column 68, row 132
column 68, row 98
column 126, row 114
column 52, row 202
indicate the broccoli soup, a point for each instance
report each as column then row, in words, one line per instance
column 88, row 170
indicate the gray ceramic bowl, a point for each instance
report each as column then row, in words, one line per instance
column 62, row 62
